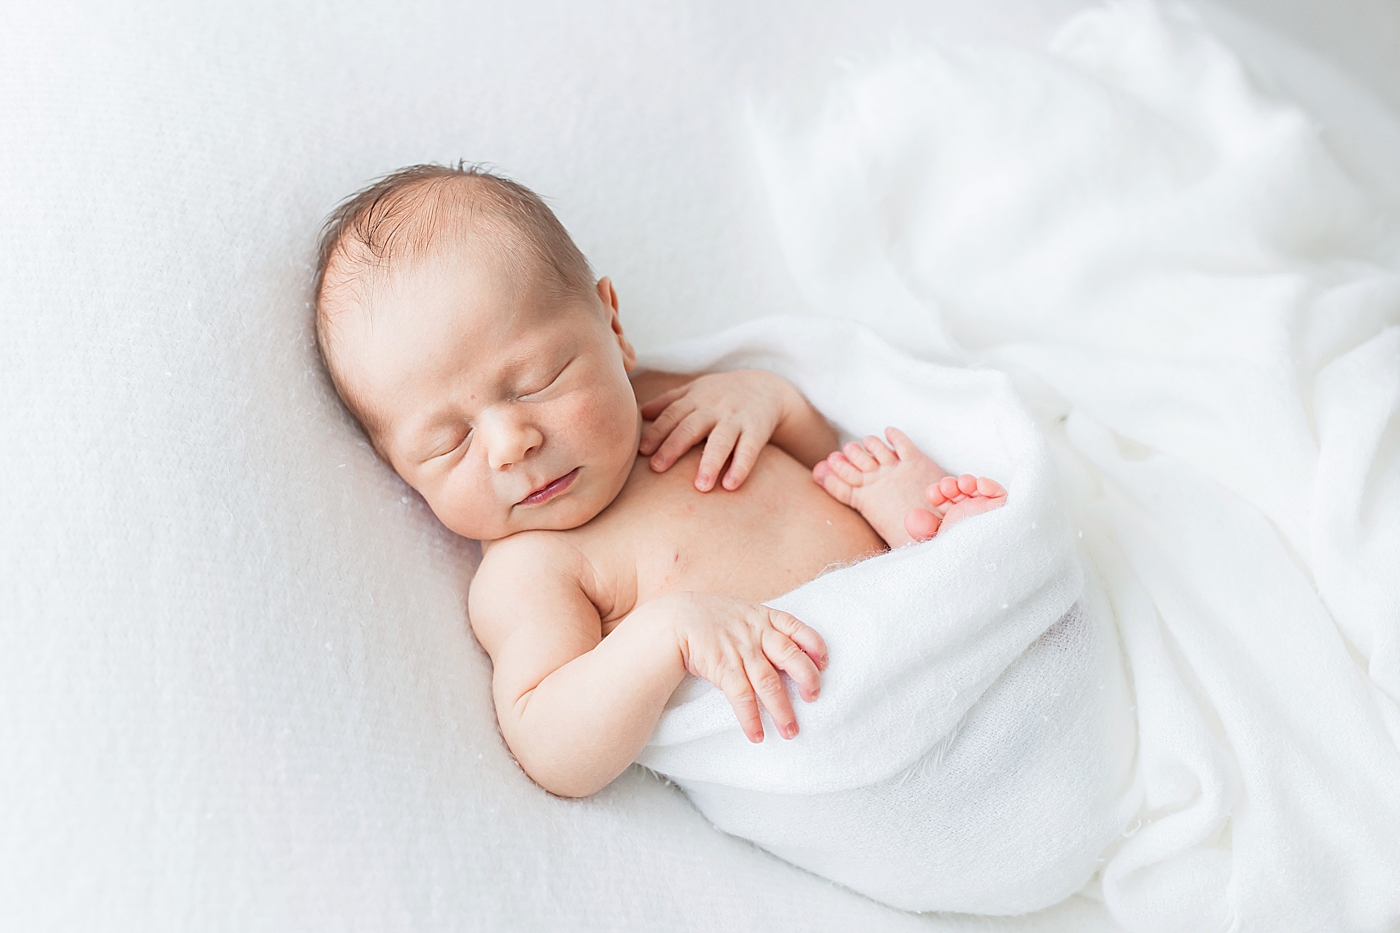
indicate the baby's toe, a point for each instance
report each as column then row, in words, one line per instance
column 948, row 486
column 989, row 488
column 882, row 454
column 935, row 496
column 967, row 484
column 921, row 524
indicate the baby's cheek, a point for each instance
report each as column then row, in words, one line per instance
column 594, row 416
column 468, row 506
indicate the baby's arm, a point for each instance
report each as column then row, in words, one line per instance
column 734, row 413
column 576, row 708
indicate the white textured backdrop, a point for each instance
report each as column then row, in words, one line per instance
column 237, row 689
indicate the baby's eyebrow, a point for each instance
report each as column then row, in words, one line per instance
column 514, row 366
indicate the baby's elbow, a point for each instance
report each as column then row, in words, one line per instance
column 561, row 781
column 571, row 790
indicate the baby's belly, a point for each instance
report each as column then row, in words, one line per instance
column 775, row 533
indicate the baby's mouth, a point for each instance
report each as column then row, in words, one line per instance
column 550, row 489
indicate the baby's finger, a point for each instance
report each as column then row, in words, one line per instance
column 882, row 454
column 746, row 453
column 717, row 448
column 737, row 689
column 769, row 686
column 659, row 404
column 664, row 424
column 784, row 654
column 802, row 634
column 685, row 436
column 859, row 456
column 901, row 443
column 843, row 469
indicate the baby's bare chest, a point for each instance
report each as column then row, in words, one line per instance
column 661, row 535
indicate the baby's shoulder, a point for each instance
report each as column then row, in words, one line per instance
column 533, row 581
column 536, row 554
column 528, row 566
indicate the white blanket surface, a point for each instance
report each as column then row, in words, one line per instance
column 237, row 684
column 972, row 747
column 1200, row 303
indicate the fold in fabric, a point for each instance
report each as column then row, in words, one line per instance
column 1200, row 307
column 972, row 747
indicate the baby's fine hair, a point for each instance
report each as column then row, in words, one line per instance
column 399, row 216
column 401, row 213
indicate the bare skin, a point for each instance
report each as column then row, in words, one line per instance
column 620, row 553
column 900, row 491
column 604, row 581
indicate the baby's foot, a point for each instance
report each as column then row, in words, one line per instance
column 885, row 485
column 955, row 499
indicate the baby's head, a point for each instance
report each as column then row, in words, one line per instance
column 463, row 329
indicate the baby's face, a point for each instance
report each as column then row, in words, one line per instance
column 507, row 411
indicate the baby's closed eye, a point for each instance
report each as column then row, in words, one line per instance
column 548, row 381
column 446, row 445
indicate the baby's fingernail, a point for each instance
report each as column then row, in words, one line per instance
column 790, row 730
column 702, row 481
column 816, row 692
column 825, row 659
column 757, row 738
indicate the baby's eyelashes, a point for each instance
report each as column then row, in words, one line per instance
column 443, row 450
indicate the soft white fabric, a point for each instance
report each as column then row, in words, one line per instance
column 237, row 691
column 1203, row 304
column 237, row 687
column 972, row 747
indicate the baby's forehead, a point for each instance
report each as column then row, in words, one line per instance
column 428, row 230
column 472, row 272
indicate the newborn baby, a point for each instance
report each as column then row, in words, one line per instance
column 465, row 332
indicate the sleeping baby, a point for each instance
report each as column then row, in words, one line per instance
column 632, row 523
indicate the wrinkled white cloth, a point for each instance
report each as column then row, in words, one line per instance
column 972, row 747
column 1200, row 304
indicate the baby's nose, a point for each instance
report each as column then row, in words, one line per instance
column 511, row 442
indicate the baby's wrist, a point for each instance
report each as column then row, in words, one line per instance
column 792, row 403
column 657, row 630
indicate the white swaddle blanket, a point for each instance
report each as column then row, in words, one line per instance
column 1200, row 301
column 972, row 746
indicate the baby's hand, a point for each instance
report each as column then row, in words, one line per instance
column 739, row 411
column 739, row 646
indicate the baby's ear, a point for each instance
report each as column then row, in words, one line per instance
column 608, row 295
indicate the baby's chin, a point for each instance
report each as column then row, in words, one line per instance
column 564, row 513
